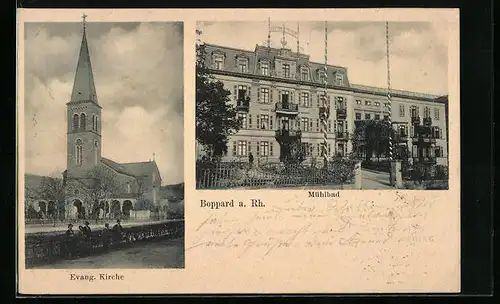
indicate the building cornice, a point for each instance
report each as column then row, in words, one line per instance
column 317, row 85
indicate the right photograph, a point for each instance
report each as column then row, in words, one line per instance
column 321, row 105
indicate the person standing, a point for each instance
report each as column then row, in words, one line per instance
column 69, row 243
column 117, row 232
column 250, row 159
column 105, row 235
column 87, row 233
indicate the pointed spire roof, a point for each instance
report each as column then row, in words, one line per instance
column 84, row 87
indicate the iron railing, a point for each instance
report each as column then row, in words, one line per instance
column 291, row 133
column 246, row 175
column 287, row 107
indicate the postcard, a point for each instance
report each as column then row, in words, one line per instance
column 238, row 151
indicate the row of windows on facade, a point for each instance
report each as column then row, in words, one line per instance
column 417, row 152
column 402, row 130
column 285, row 96
column 305, row 124
column 305, row 100
column 79, row 152
column 414, row 110
column 265, row 70
column 80, row 122
column 265, row 148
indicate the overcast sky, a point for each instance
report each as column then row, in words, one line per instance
column 418, row 49
column 138, row 72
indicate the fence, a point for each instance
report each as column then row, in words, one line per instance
column 153, row 216
column 47, row 248
column 237, row 174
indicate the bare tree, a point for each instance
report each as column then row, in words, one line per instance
column 103, row 186
column 52, row 189
column 143, row 203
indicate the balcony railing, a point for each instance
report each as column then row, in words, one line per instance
column 342, row 135
column 427, row 121
column 415, row 120
column 243, row 104
column 400, row 137
column 341, row 113
column 288, row 133
column 424, row 160
column 287, row 108
column 424, row 138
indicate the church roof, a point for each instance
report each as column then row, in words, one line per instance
column 83, row 86
column 116, row 166
column 140, row 168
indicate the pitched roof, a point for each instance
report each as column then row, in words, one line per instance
column 83, row 86
column 116, row 166
column 140, row 168
column 137, row 169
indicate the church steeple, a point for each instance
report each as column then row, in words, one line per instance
column 84, row 87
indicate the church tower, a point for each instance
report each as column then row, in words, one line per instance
column 83, row 118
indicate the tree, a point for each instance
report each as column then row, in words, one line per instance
column 216, row 118
column 53, row 189
column 142, row 203
column 104, row 184
column 373, row 135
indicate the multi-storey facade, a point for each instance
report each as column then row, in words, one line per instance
column 285, row 89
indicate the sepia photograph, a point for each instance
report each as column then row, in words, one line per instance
column 321, row 105
column 104, row 175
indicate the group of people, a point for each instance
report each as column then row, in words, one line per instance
column 79, row 244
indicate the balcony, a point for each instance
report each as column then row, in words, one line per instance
column 341, row 113
column 415, row 120
column 427, row 121
column 287, row 108
column 424, row 138
column 428, row 160
column 284, row 134
column 342, row 135
column 243, row 104
column 401, row 137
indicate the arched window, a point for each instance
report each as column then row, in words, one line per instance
column 76, row 122
column 93, row 122
column 78, row 152
column 96, row 152
column 83, row 121
column 96, row 122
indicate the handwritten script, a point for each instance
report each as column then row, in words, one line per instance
column 302, row 224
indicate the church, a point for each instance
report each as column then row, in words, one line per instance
column 94, row 186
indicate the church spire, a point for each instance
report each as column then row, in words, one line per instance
column 84, row 87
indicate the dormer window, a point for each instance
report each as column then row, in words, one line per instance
column 218, row 59
column 286, row 70
column 243, row 65
column 339, row 79
column 322, row 76
column 218, row 63
column 304, row 74
column 264, row 68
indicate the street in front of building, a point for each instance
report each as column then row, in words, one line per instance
column 157, row 254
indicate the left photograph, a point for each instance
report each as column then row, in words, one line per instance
column 103, row 145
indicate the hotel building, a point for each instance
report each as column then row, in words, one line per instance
column 284, row 90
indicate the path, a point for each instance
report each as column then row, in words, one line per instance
column 157, row 254
column 61, row 227
column 374, row 180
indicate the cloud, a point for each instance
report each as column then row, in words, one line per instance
column 138, row 71
column 418, row 49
